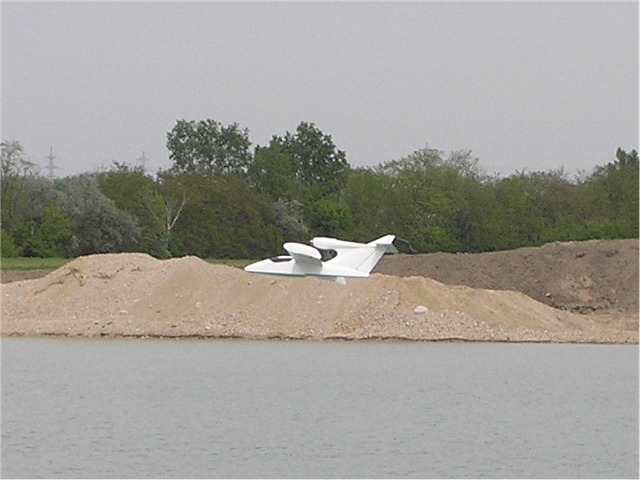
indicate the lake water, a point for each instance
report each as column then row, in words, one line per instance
column 203, row 408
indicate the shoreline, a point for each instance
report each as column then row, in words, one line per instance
column 314, row 340
column 576, row 340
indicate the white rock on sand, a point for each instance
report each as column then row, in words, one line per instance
column 137, row 295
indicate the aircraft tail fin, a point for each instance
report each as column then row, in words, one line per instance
column 367, row 258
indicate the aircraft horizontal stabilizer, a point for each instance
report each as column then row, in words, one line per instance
column 386, row 240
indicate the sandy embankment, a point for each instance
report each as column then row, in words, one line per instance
column 137, row 295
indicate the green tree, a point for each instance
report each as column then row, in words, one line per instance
column 330, row 218
column 17, row 174
column 610, row 198
column 462, row 182
column 368, row 193
column 421, row 204
column 274, row 173
column 520, row 221
column 317, row 160
column 47, row 235
column 290, row 219
column 30, row 214
column 624, row 159
column 7, row 245
column 137, row 194
column 558, row 205
column 173, row 193
column 207, row 146
column 224, row 218
column 98, row 225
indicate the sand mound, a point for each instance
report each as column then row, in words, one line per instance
column 596, row 275
column 135, row 294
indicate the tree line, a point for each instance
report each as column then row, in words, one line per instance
column 222, row 198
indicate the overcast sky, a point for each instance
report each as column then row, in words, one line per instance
column 532, row 86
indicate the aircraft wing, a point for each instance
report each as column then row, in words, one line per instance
column 304, row 255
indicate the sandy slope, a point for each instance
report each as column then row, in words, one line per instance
column 596, row 275
column 134, row 294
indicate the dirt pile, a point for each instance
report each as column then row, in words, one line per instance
column 591, row 276
column 136, row 295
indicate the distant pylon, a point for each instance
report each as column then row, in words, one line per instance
column 50, row 166
column 143, row 161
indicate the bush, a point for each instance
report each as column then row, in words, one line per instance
column 7, row 246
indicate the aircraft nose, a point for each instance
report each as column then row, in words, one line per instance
column 251, row 267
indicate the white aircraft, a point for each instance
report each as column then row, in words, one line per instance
column 347, row 259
